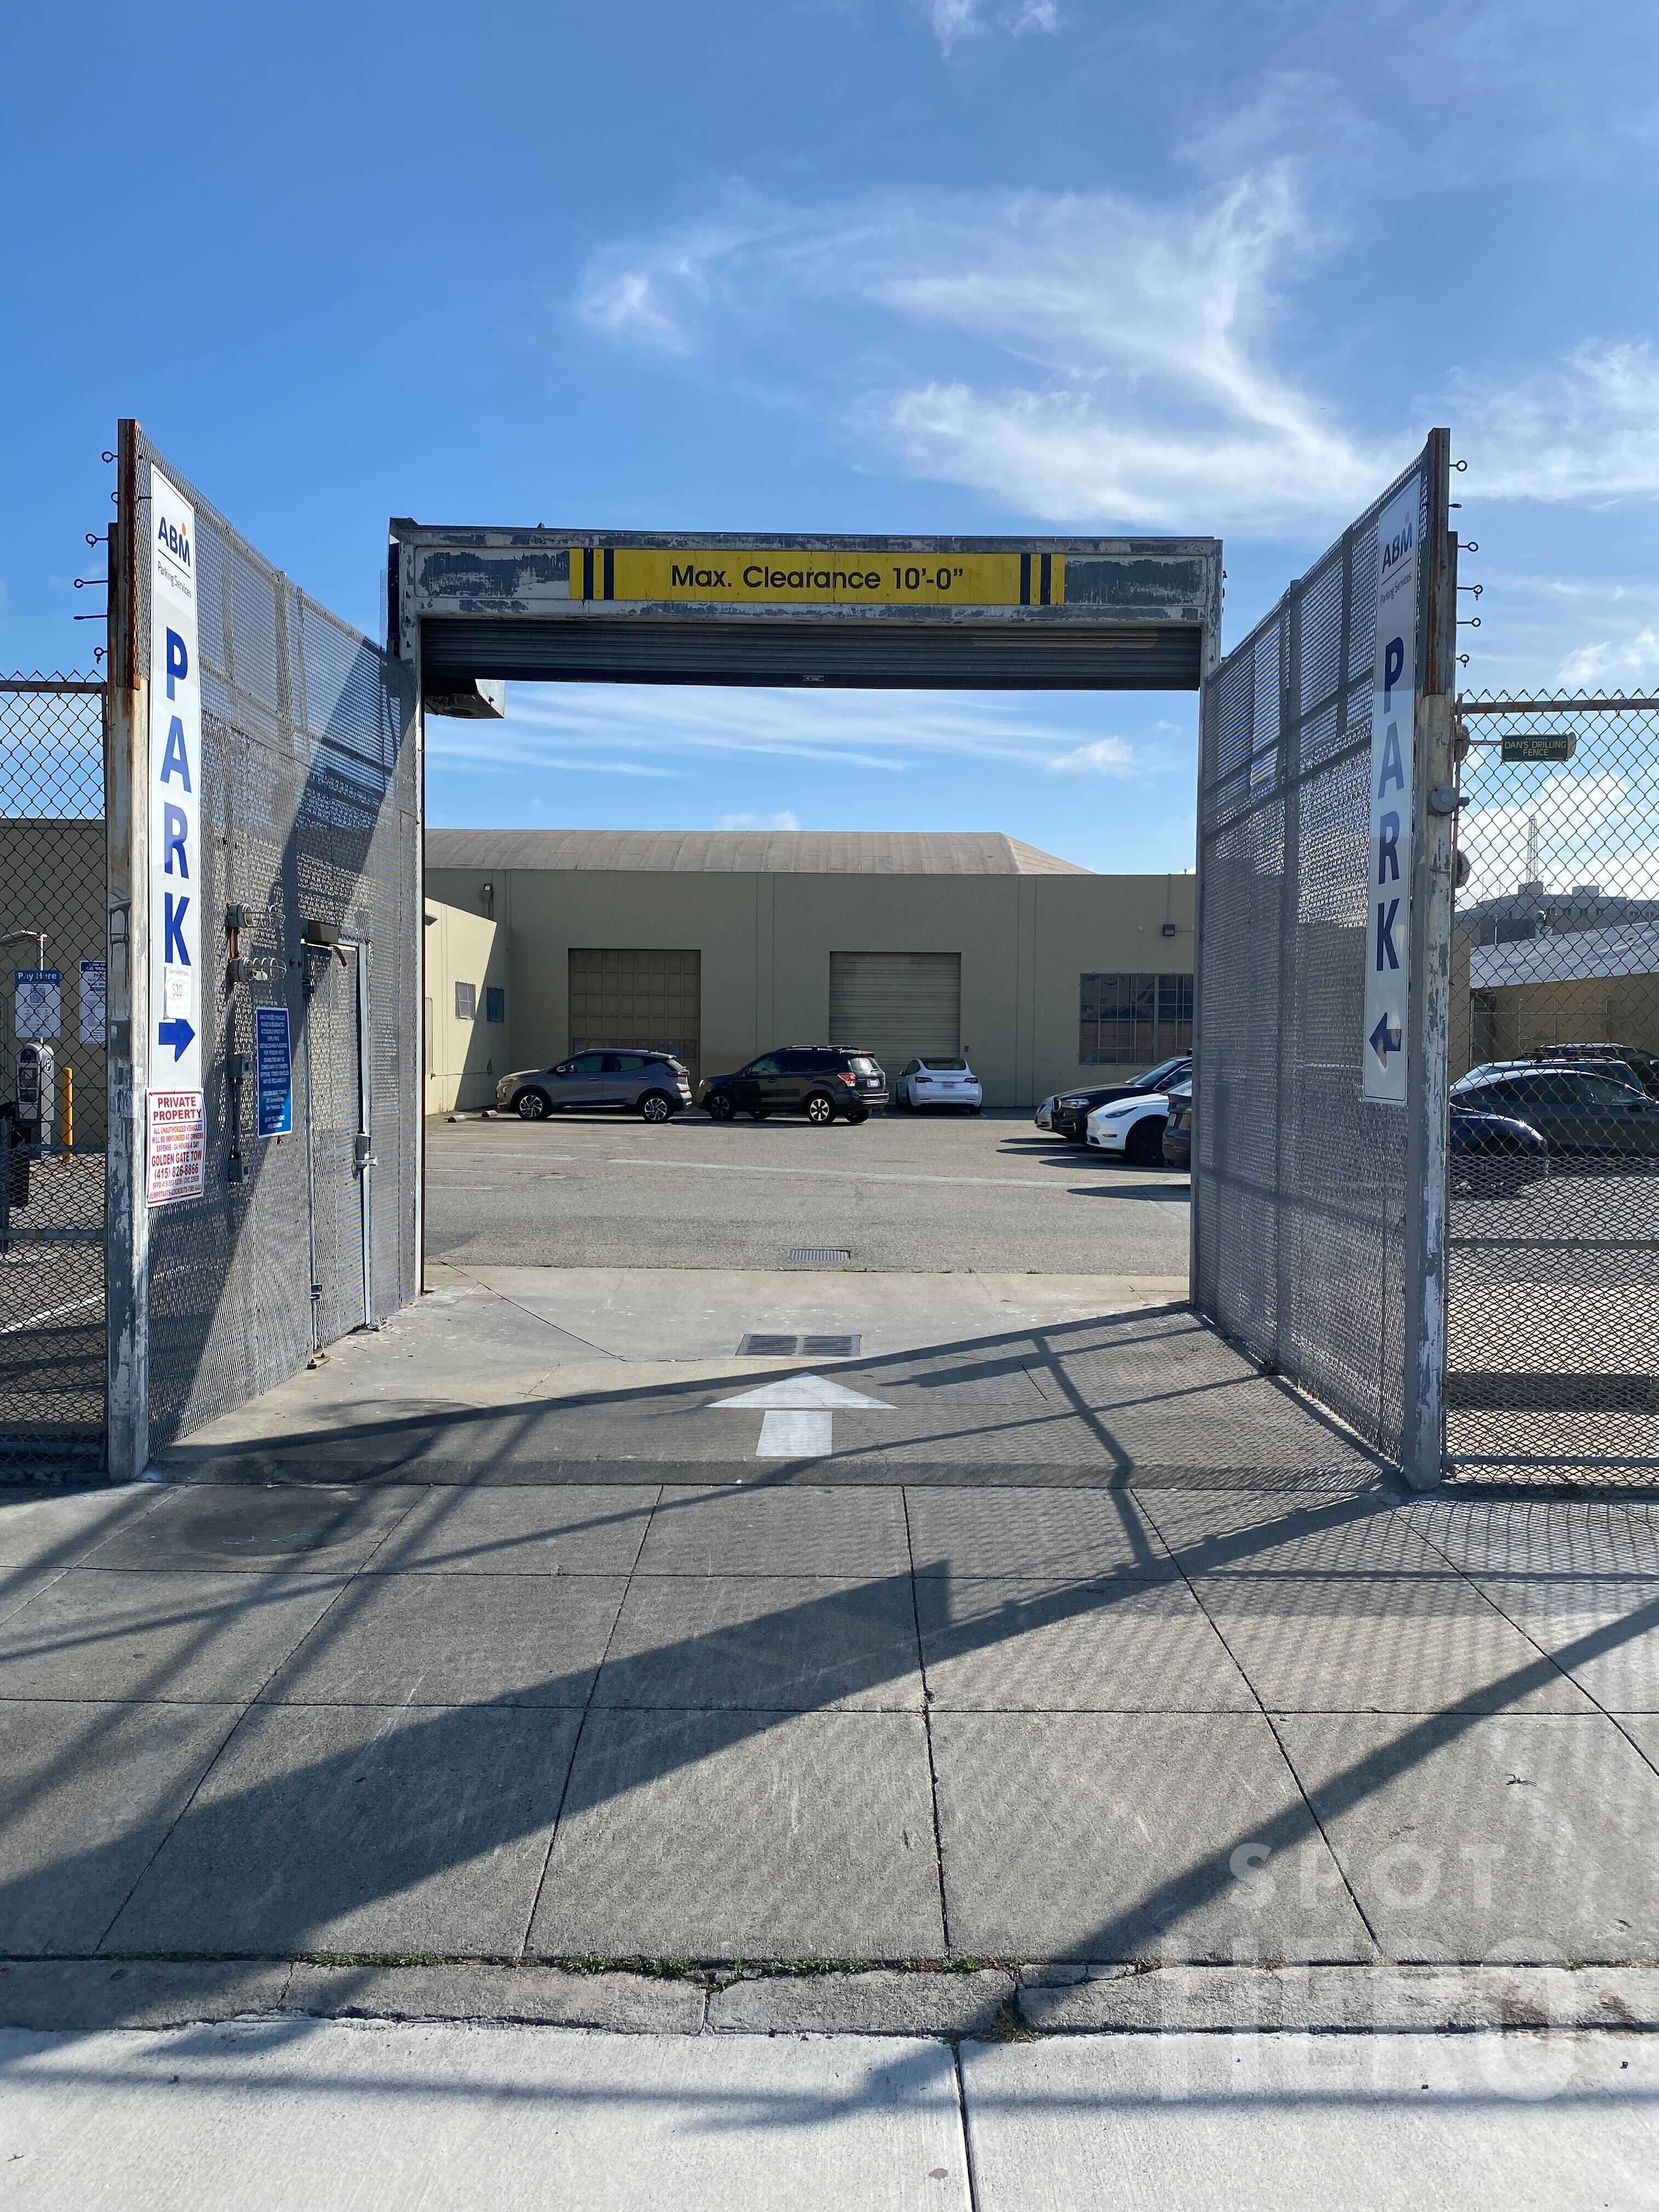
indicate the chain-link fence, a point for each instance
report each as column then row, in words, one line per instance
column 52, row 1091
column 1554, row 1267
column 309, row 826
column 1301, row 1250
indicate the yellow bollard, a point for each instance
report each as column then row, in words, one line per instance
column 69, row 1109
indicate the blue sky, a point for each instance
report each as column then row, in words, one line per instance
column 975, row 265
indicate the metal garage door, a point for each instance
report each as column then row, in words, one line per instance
column 650, row 1000
column 896, row 1005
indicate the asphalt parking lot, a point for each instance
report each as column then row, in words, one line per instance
column 901, row 1193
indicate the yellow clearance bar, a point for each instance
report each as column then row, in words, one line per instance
column 774, row 576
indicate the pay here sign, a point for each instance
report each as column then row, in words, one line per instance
column 1393, row 702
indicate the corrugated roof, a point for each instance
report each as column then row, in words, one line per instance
column 1570, row 956
column 749, row 851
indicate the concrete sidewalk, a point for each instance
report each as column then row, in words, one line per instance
column 805, row 1723
column 304, row 2112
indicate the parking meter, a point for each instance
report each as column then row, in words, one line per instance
column 37, row 1091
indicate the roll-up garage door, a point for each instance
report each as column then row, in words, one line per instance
column 648, row 1001
column 896, row 1005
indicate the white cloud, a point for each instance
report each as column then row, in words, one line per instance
column 785, row 820
column 1631, row 664
column 953, row 20
column 1085, row 358
column 667, row 731
column 1585, row 427
column 1595, row 827
column 1105, row 757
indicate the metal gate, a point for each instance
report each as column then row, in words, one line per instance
column 52, row 1099
column 1553, row 1328
column 1318, row 1215
column 309, row 905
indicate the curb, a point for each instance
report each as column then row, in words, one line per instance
column 88, row 1995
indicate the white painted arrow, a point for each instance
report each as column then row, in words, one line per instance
column 798, row 1410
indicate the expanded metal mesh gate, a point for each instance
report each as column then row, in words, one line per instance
column 1553, row 1265
column 52, row 1102
column 1304, row 1239
column 310, row 810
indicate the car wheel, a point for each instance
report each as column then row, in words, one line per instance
column 656, row 1106
column 720, row 1108
column 1143, row 1147
column 820, row 1109
column 758, row 1112
column 975, row 1109
column 533, row 1105
column 858, row 1113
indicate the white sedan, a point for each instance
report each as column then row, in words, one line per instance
column 1132, row 1128
column 942, row 1082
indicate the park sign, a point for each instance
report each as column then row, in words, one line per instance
column 177, row 1145
column 1394, row 700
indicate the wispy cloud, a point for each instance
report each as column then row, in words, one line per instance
column 1096, row 358
column 952, row 20
column 1092, row 360
column 785, row 820
column 665, row 730
column 1624, row 665
column 1105, row 757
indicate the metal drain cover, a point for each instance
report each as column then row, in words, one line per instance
column 759, row 1346
column 819, row 1255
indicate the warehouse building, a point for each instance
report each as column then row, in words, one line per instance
column 719, row 945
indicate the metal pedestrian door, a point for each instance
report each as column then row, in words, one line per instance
column 339, row 1159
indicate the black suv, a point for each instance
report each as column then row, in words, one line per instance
column 817, row 1080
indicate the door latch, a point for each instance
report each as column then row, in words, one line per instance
column 360, row 1155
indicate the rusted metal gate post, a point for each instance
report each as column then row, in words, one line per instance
column 125, row 785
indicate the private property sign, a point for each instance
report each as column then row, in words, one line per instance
column 177, row 1150
column 1393, row 700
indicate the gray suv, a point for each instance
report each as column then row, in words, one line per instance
column 652, row 1084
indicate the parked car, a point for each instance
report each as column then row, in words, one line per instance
column 1132, row 1127
column 1577, row 1110
column 1067, row 1111
column 1177, row 1146
column 943, row 1080
column 1644, row 1066
column 1493, row 1155
column 652, row 1084
column 820, row 1081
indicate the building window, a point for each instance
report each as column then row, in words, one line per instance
column 466, row 1002
column 495, row 1004
column 1133, row 1021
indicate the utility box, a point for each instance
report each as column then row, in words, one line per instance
column 37, row 1092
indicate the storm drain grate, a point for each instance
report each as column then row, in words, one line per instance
column 755, row 1347
column 819, row 1255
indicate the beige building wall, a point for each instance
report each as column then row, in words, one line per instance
column 765, row 941
column 464, row 1057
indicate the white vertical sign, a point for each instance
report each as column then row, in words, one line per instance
column 177, row 1130
column 1394, row 704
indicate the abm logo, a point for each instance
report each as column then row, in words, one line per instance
column 174, row 538
column 1398, row 547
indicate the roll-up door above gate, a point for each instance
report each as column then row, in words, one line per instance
column 648, row 1000
column 896, row 1005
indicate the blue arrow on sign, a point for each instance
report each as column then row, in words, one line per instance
column 178, row 1034
column 1385, row 1039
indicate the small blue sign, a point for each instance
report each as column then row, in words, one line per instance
column 273, row 1072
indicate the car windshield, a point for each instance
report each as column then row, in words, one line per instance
column 945, row 1067
column 1156, row 1077
column 862, row 1065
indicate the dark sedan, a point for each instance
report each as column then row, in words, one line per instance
column 1577, row 1113
column 1493, row 1155
column 1067, row 1112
